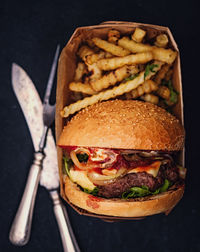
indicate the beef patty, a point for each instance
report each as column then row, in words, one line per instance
column 139, row 179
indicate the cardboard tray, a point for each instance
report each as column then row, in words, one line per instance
column 66, row 70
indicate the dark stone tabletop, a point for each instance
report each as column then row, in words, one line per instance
column 29, row 33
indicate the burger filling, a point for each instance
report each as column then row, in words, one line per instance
column 114, row 173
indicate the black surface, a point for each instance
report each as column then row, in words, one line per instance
column 30, row 32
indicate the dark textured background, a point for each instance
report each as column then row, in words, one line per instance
column 29, row 33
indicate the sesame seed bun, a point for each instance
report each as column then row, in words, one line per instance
column 124, row 125
column 139, row 207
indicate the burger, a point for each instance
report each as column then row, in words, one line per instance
column 120, row 159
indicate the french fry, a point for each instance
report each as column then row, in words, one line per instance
column 168, row 75
column 113, row 77
column 133, row 46
column 80, row 70
column 150, row 98
column 147, row 87
column 163, row 92
column 161, row 40
column 164, row 55
column 125, row 60
column 84, row 51
column 90, row 43
column 161, row 54
column 113, row 36
column 116, row 62
column 93, row 58
column 161, row 74
column 108, row 94
column 96, row 72
column 111, row 48
column 138, row 35
column 81, row 87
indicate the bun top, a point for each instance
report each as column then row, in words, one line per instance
column 124, row 125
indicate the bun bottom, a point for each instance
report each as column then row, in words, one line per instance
column 140, row 207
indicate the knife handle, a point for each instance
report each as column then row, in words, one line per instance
column 21, row 226
column 67, row 236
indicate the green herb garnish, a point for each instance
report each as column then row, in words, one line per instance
column 148, row 69
column 94, row 192
column 82, row 157
column 144, row 191
column 173, row 93
column 131, row 77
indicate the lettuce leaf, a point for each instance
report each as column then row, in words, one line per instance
column 67, row 164
column 94, row 192
column 165, row 186
column 144, row 191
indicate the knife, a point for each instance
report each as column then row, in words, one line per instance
column 31, row 105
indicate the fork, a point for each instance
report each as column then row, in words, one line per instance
column 25, row 211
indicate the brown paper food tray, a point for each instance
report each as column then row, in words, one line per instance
column 66, row 69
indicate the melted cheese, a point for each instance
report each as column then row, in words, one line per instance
column 109, row 172
column 81, row 178
column 150, row 169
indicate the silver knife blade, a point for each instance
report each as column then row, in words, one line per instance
column 33, row 111
column 31, row 106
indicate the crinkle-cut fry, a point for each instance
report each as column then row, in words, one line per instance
column 147, row 87
column 90, row 43
column 113, row 36
column 81, row 87
column 116, row 62
column 108, row 94
column 111, row 48
column 132, row 70
column 169, row 74
column 161, row 54
column 113, row 40
column 80, row 70
column 150, row 98
column 133, row 46
column 161, row 74
column 163, row 92
column 96, row 72
column 161, row 40
column 84, row 51
column 93, row 58
column 138, row 35
column 165, row 55
column 113, row 77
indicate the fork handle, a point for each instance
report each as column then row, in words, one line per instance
column 67, row 236
column 21, row 226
